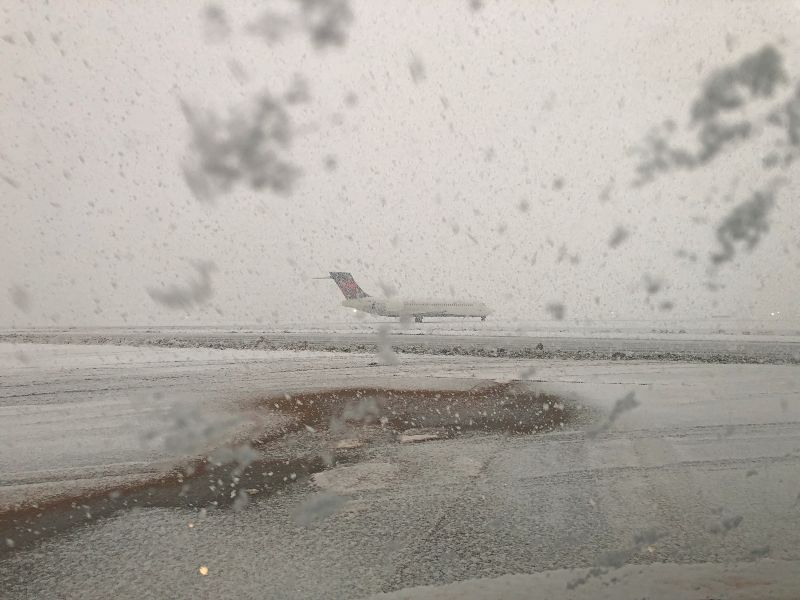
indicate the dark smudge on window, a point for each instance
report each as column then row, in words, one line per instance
column 324, row 21
column 245, row 147
column 417, row 70
column 619, row 235
column 217, row 28
column 623, row 405
column 744, row 226
column 20, row 297
column 557, row 310
column 194, row 293
column 755, row 77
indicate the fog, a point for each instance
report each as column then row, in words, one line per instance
column 488, row 150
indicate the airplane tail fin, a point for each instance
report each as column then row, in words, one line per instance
column 348, row 285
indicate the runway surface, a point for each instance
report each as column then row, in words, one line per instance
column 440, row 339
column 699, row 468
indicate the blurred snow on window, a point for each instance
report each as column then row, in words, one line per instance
column 557, row 310
column 619, row 235
column 717, row 116
column 726, row 524
column 744, row 225
column 623, row 405
column 318, row 507
column 217, row 28
column 385, row 352
column 194, row 293
column 241, row 501
column 246, row 147
column 20, row 297
column 298, row 91
column 241, row 456
column 10, row 181
column 642, row 541
column 190, row 432
column 324, row 21
column 270, row 26
column 387, row 289
column 364, row 411
column 652, row 285
column 417, row 70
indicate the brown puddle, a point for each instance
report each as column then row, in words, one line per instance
column 510, row 408
column 329, row 429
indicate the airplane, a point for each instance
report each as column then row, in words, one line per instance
column 358, row 299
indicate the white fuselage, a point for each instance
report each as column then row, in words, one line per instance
column 418, row 308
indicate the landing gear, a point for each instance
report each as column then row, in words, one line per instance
column 418, row 319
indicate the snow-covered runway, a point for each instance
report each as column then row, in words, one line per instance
column 700, row 467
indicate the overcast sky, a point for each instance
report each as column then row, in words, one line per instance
column 445, row 150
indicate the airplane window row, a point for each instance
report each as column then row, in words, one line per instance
column 453, row 304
